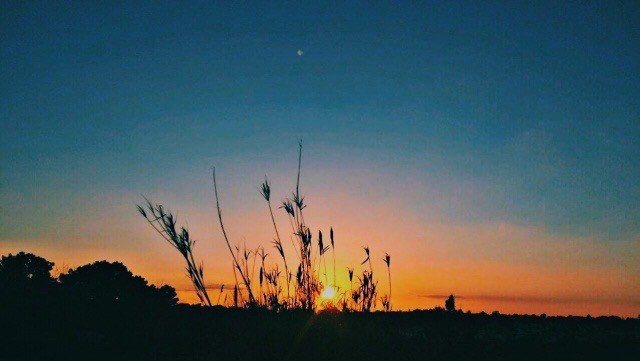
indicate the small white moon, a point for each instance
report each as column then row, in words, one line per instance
column 300, row 52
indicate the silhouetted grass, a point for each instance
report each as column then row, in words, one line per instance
column 164, row 222
column 279, row 286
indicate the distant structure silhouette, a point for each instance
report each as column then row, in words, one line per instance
column 450, row 303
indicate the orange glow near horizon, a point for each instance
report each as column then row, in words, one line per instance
column 406, row 296
column 489, row 266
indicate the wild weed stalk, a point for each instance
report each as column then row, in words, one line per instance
column 364, row 297
column 265, row 191
column 164, row 223
column 244, row 274
column 386, row 300
column 367, row 290
column 308, row 285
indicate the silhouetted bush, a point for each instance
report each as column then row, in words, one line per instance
column 107, row 283
column 450, row 303
column 25, row 277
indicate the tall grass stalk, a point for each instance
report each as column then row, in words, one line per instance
column 265, row 191
column 333, row 251
column 364, row 297
column 165, row 224
column 386, row 301
column 243, row 275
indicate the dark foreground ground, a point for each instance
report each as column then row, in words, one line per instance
column 194, row 333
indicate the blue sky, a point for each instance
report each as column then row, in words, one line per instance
column 535, row 104
column 465, row 112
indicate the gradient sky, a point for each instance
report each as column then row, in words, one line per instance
column 492, row 149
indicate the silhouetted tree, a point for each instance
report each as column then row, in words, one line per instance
column 450, row 303
column 25, row 277
column 107, row 283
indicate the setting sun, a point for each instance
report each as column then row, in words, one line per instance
column 328, row 293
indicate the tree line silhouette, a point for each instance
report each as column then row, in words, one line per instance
column 26, row 279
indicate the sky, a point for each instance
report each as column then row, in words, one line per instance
column 491, row 149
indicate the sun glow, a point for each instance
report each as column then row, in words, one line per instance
column 328, row 293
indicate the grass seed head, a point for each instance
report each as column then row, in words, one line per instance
column 265, row 189
column 331, row 236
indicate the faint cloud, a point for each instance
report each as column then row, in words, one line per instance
column 300, row 52
column 537, row 299
column 209, row 287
